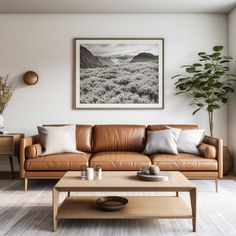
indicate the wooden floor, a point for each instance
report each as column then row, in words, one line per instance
column 30, row 213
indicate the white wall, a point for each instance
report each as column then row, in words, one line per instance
column 232, row 106
column 44, row 43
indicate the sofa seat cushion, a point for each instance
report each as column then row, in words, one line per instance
column 62, row 161
column 120, row 160
column 184, row 162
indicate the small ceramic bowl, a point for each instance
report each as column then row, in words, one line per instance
column 145, row 170
column 154, row 170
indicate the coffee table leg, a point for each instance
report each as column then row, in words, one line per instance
column 193, row 198
column 55, row 200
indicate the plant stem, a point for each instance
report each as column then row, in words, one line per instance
column 210, row 117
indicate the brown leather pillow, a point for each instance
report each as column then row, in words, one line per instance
column 33, row 151
column 207, row 151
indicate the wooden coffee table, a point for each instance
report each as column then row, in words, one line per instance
column 139, row 207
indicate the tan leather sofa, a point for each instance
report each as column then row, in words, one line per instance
column 117, row 147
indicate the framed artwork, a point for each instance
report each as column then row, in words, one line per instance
column 118, row 73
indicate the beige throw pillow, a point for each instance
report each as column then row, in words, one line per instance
column 58, row 139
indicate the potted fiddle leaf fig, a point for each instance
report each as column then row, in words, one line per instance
column 6, row 91
column 208, row 81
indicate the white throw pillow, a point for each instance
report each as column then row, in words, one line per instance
column 189, row 140
column 58, row 139
column 163, row 141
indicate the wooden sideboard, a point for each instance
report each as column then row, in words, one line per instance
column 10, row 147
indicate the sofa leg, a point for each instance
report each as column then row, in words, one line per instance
column 177, row 194
column 26, row 184
column 68, row 194
column 216, row 184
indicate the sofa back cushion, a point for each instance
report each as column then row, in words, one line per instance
column 83, row 137
column 163, row 126
column 119, row 138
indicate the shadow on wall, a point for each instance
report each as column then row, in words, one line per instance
column 18, row 81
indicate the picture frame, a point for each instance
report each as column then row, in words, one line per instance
column 120, row 73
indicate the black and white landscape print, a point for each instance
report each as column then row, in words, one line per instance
column 119, row 72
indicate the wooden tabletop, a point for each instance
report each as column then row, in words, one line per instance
column 122, row 181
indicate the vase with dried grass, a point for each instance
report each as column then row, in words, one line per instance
column 6, row 91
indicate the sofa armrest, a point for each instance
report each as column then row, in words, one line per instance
column 218, row 143
column 25, row 142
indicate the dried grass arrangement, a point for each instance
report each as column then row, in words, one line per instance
column 6, row 91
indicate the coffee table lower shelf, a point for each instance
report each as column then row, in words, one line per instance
column 146, row 207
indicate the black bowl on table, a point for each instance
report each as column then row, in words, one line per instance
column 111, row 203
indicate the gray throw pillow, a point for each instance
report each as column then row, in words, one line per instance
column 163, row 141
column 188, row 140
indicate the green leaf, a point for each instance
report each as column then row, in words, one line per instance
column 212, row 77
column 216, row 54
column 220, row 73
column 215, row 106
column 201, row 53
column 228, row 89
column 209, row 93
column 183, row 83
column 175, row 76
column 196, row 111
column 201, row 84
column 224, row 61
column 200, row 105
column 199, row 95
column 218, row 48
column 182, row 78
column 197, row 64
column 229, row 84
column 226, row 68
column 181, row 87
column 231, row 75
column 206, row 88
column 208, row 66
column 190, row 70
column 211, row 100
column 218, row 85
column 212, row 107
column 179, row 93
column 231, row 80
column 224, row 100
column 185, row 66
column 228, row 57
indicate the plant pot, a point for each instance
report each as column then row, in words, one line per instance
column 227, row 161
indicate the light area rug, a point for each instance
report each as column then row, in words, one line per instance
column 30, row 213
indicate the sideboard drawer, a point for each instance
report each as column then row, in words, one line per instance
column 6, row 145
